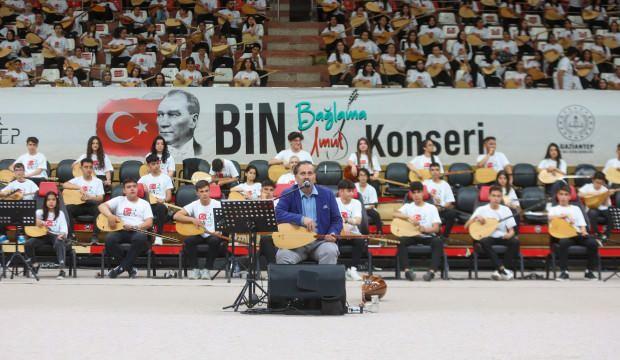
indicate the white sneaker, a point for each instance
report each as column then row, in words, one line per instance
column 353, row 275
column 195, row 274
column 158, row 241
column 508, row 276
column 205, row 274
column 496, row 275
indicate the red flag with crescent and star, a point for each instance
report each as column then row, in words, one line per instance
column 127, row 127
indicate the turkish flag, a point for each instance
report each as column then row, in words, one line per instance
column 127, row 127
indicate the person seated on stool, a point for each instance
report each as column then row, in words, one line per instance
column 315, row 208
column 135, row 213
column 200, row 213
column 267, row 248
column 426, row 217
column 504, row 234
column 443, row 198
column 91, row 190
column 54, row 220
column 597, row 186
column 574, row 215
column 351, row 212
column 160, row 186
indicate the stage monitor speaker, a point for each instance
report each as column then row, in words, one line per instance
column 300, row 10
column 307, row 289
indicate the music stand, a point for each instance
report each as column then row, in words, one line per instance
column 19, row 213
column 615, row 225
column 220, row 225
column 250, row 217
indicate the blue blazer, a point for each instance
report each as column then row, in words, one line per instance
column 329, row 220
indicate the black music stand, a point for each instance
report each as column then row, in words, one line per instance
column 220, row 225
column 19, row 213
column 615, row 225
column 250, row 217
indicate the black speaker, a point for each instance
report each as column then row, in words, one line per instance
column 299, row 10
column 307, row 289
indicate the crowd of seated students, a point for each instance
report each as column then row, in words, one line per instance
column 430, row 200
column 472, row 44
column 134, row 44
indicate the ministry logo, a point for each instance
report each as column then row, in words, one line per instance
column 575, row 123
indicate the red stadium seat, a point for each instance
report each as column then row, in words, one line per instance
column 46, row 186
column 216, row 192
column 483, row 195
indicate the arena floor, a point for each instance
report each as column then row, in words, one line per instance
column 88, row 318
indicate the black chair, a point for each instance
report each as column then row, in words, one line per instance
column 584, row 170
column 500, row 250
column 573, row 251
column 238, row 167
column 47, row 251
column 203, row 249
column 328, row 173
column 423, row 251
column 64, row 171
column 533, row 198
column 397, row 172
column 524, row 175
column 466, row 200
column 117, row 191
column 461, row 180
column 185, row 195
column 5, row 163
column 262, row 167
column 129, row 169
column 106, row 261
column 222, row 62
column 191, row 165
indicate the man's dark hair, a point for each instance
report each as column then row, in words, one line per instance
column 86, row 161
column 494, row 188
column 295, row 135
column 18, row 166
column 152, row 158
column 32, row 139
column 599, row 175
column 128, row 181
column 201, row 184
column 434, row 165
column 305, row 162
column 572, row 51
column 193, row 106
column 217, row 165
column 565, row 188
column 486, row 139
column 268, row 182
column 363, row 170
column 346, row 184
column 416, row 186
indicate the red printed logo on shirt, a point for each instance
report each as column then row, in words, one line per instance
column 85, row 188
column 427, row 165
column 202, row 217
column 31, row 163
column 153, row 186
column 127, row 211
column 95, row 163
column 434, row 192
column 417, row 217
column 49, row 223
column 344, row 214
column 489, row 165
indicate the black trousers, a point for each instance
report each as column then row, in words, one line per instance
column 60, row 246
column 139, row 244
column 587, row 241
column 358, row 246
column 160, row 211
column 512, row 250
column 190, row 250
column 119, row 61
column 374, row 218
column 442, row 77
column 436, row 250
column 89, row 208
column 448, row 217
column 57, row 62
column 268, row 249
column 595, row 216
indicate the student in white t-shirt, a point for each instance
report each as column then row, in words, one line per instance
column 289, row 178
column 574, row 216
column 159, row 187
column 351, row 212
column 369, row 195
column 493, row 158
column 555, row 165
column 102, row 165
column 504, row 233
column 613, row 163
column 442, row 197
column 363, row 158
column 509, row 196
column 166, row 161
column 294, row 139
column 597, row 186
column 250, row 189
column 91, row 190
column 200, row 213
column 27, row 188
column 267, row 247
column 134, row 213
column 35, row 163
column 425, row 217
column 50, row 217
column 424, row 161
column 224, row 172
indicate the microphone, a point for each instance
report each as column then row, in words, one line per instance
column 306, row 184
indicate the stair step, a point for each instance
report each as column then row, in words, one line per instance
column 296, row 84
column 292, row 31
column 297, row 25
column 295, row 76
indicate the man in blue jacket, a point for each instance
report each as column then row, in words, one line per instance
column 315, row 208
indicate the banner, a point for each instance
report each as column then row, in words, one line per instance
column 246, row 124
